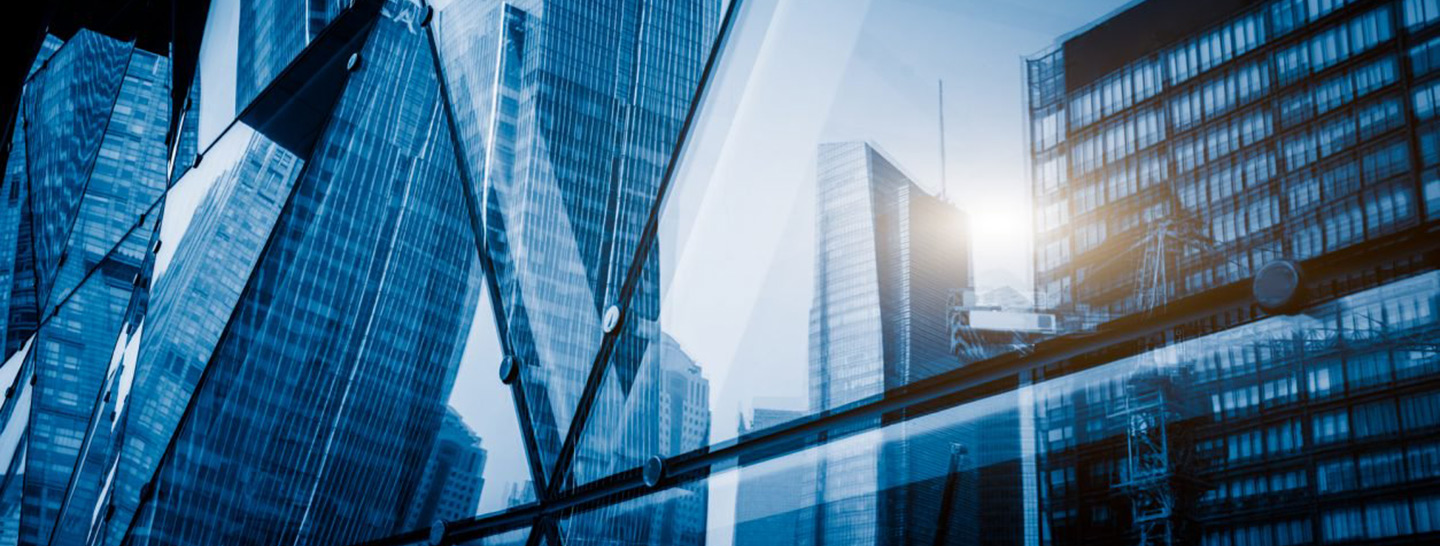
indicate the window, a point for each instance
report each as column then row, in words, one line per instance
column 1386, row 161
column 1421, row 12
column 1367, row 370
column 1387, row 519
column 1338, row 525
column 1375, row 419
column 1299, row 150
column 1324, row 378
column 1285, row 437
column 1425, row 99
column 1331, row 426
column 1420, row 411
column 1335, row 475
column 1382, row 468
column 1380, row 116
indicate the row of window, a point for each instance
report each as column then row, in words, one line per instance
column 1142, row 79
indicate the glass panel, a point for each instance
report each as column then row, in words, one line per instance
column 812, row 250
column 247, row 43
column 566, row 141
column 324, row 379
column 14, row 422
column 215, row 222
column 1185, row 439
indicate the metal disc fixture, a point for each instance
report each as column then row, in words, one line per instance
column 611, row 318
column 654, row 471
column 509, row 368
column 1279, row 287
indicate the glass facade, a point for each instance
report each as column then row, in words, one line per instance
column 623, row 273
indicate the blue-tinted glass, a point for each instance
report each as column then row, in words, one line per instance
column 565, row 148
column 81, row 186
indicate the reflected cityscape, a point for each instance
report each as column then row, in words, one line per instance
column 403, row 272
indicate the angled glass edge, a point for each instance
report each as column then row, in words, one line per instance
column 559, row 259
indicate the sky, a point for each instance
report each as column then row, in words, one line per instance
column 737, row 235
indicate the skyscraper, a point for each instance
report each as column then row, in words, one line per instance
column 87, row 163
column 322, row 385
column 888, row 256
column 567, row 140
column 768, row 500
column 1233, row 136
column 453, row 479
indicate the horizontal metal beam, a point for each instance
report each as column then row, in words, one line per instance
column 1329, row 277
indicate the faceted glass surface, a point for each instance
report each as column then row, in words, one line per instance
column 696, row 271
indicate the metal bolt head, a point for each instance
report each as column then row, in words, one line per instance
column 429, row 14
column 353, row 63
column 1279, row 287
column 509, row 368
column 611, row 318
column 654, row 471
column 437, row 532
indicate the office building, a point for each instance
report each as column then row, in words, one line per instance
column 567, row 176
column 888, row 256
column 321, row 394
column 567, row 141
column 454, row 476
column 1176, row 149
column 87, row 163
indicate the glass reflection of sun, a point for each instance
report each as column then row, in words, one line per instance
column 1000, row 227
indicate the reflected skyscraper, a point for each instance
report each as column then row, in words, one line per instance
column 454, row 476
column 1236, row 135
column 567, row 136
column 887, row 258
column 333, row 285
column 86, row 163
column 768, row 502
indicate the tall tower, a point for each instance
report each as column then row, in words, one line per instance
column 887, row 257
column 86, row 164
column 339, row 278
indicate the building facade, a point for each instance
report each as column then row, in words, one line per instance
column 86, row 165
column 888, row 256
column 330, row 328
column 454, row 476
column 1170, row 166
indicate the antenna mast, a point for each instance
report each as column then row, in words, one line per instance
column 943, row 183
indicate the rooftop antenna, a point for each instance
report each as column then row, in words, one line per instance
column 943, row 183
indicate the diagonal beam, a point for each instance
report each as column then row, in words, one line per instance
column 477, row 229
column 564, row 461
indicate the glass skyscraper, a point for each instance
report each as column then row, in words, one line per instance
column 307, row 400
column 87, row 163
column 888, row 258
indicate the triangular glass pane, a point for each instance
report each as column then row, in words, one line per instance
column 15, row 374
column 565, row 159
column 126, row 180
column 246, row 45
column 215, row 223
column 68, row 365
column 66, row 109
